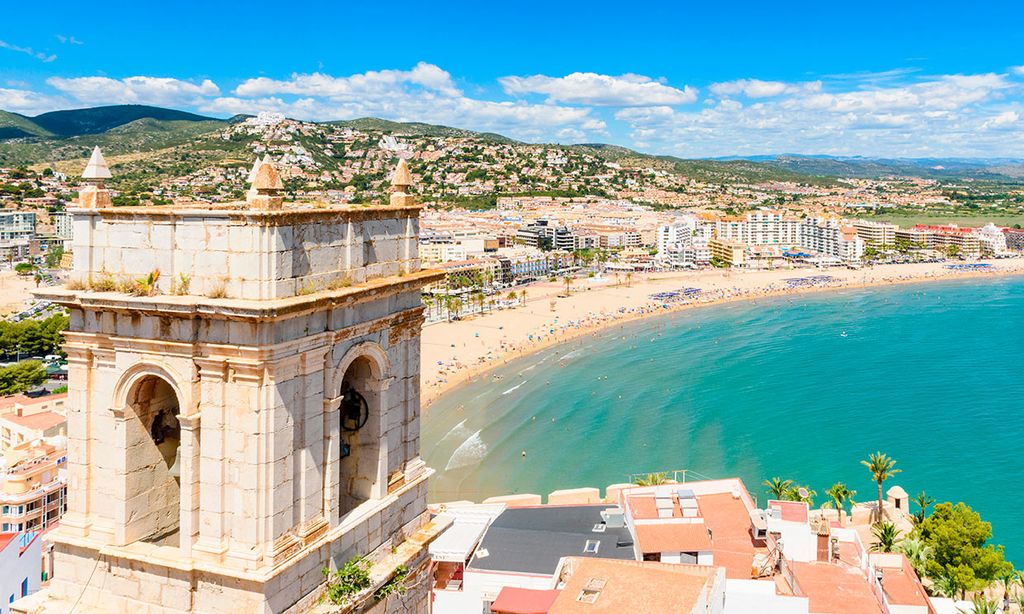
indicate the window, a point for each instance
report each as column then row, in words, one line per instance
column 586, row 596
column 24, row 587
column 599, row 527
column 591, row 546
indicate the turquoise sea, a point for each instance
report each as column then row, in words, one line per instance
column 802, row 387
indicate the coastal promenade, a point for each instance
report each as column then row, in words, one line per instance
column 457, row 352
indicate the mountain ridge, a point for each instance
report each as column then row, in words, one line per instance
column 66, row 134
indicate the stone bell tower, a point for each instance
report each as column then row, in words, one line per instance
column 244, row 402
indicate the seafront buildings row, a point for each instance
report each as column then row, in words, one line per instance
column 518, row 243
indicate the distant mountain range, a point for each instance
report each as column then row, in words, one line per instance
column 866, row 167
column 126, row 129
column 79, row 122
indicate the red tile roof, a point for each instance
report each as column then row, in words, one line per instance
column 792, row 511
column 512, row 600
column 673, row 537
column 6, row 538
column 40, row 421
column 835, row 588
column 729, row 521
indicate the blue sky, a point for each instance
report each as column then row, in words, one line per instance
column 686, row 78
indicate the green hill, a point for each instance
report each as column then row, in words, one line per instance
column 138, row 136
column 373, row 124
column 78, row 122
column 16, row 126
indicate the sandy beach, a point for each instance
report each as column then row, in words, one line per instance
column 15, row 290
column 457, row 352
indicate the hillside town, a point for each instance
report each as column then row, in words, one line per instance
column 705, row 546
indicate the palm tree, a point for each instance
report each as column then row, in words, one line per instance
column 778, row 487
column 886, row 536
column 807, row 496
column 651, row 479
column 946, row 586
column 522, row 297
column 629, row 278
column 917, row 553
column 839, row 495
column 567, row 280
column 511, row 296
column 882, row 467
column 981, row 604
column 923, row 501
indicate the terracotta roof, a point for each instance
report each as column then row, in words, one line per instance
column 631, row 586
column 673, row 537
column 512, row 600
column 792, row 511
column 38, row 421
column 835, row 588
column 729, row 521
column 900, row 584
column 27, row 401
column 6, row 538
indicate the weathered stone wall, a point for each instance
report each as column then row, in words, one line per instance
column 122, row 585
column 244, row 254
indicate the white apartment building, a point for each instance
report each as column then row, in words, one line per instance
column 62, row 224
column 677, row 234
column 829, row 237
column 992, row 240
column 684, row 243
column 17, row 225
column 442, row 252
column 761, row 227
column 876, row 234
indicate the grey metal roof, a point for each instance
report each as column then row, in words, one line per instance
column 534, row 539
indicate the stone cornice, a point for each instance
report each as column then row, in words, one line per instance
column 240, row 309
column 294, row 213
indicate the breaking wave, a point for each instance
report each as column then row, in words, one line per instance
column 468, row 453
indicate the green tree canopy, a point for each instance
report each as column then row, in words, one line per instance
column 24, row 268
column 20, row 377
column 34, row 337
column 956, row 535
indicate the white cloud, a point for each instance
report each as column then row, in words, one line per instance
column 136, row 90
column 939, row 115
column 600, row 90
column 39, row 55
column 29, row 102
column 69, row 40
column 755, row 88
column 1003, row 120
column 519, row 120
column 1017, row 70
column 374, row 82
